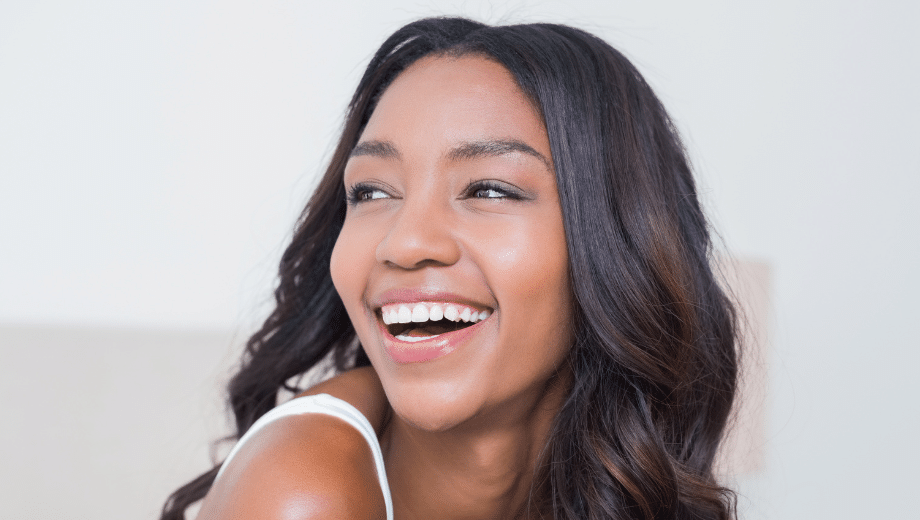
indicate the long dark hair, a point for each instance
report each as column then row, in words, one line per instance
column 654, row 360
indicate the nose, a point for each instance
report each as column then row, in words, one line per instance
column 421, row 235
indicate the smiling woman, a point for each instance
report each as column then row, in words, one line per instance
column 507, row 261
column 461, row 217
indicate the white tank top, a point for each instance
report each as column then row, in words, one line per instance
column 325, row 404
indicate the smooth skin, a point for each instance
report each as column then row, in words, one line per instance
column 452, row 192
column 307, row 466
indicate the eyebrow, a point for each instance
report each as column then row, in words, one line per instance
column 495, row 148
column 381, row 149
column 463, row 151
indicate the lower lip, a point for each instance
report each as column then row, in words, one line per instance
column 404, row 352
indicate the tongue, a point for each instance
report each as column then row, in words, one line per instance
column 417, row 333
column 432, row 329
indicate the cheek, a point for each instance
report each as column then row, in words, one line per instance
column 345, row 267
column 530, row 280
column 529, row 276
column 530, row 264
column 337, row 267
column 525, row 275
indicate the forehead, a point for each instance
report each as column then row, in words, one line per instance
column 440, row 101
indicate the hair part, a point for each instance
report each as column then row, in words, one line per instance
column 654, row 362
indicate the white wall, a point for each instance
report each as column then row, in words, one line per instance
column 154, row 154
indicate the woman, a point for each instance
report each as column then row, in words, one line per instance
column 509, row 234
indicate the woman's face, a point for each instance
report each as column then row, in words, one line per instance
column 452, row 260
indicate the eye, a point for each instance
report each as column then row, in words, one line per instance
column 492, row 190
column 365, row 192
column 488, row 193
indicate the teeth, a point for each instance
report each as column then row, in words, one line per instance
column 412, row 339
column 422, row 312
column 451, row 313
column 419, row 313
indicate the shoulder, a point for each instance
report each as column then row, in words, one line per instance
column 361, row 388
column 299, row 467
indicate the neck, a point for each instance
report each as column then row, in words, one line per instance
column 483, row 468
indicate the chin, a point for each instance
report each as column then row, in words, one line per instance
column 434, row 408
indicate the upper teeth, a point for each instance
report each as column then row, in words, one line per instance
column 421, row 312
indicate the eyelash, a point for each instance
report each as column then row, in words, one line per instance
column 504, row 190
column 359, row 192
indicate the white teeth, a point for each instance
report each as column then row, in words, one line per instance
column 390, row 316
column 419, row 313
column 422, row 312
column 412, row 339
column 451, row 313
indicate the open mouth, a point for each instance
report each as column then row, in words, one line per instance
column 423, row 321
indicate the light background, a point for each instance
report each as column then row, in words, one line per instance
column 154, row 155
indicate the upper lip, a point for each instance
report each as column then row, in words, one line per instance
column 418, row 295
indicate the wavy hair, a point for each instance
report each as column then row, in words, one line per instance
column 654, row 361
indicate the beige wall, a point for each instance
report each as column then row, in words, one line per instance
column 104, row 424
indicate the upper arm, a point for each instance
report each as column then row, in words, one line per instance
column 300, row 467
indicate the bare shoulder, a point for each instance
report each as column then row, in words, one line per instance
column 299, row 467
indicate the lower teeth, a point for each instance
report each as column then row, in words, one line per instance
column 413, row 339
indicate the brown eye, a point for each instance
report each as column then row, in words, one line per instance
column 363, row 193
column 492, row 190
column 372, row 194
column 488, row 193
